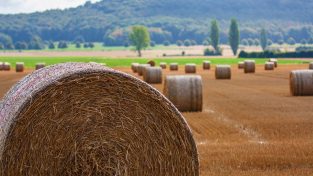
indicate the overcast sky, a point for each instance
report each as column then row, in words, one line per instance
column 27, row 6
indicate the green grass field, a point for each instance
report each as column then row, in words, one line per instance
column 118, row 62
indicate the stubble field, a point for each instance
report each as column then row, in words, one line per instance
column 250, row 125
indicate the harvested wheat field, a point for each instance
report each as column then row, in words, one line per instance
column 250, row 125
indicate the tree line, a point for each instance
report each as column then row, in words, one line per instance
column 213, row 39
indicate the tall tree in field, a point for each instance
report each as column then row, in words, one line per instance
column 215, row 35
column 234, row 36
column 140, row 38
column 263, row 39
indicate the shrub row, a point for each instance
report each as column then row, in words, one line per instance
column 270, row 54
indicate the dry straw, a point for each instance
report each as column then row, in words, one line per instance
column 274, row 60
column 311, row 66
column 134, row 67
column 151, row 63
column 185, row 92
column 19, row 66
column 86, row 119
column 163, row 65
column 190, row 68
column 223, row 72
column 249, row 66
column 6, row 66
column 153, row 75
column 206, row 65
column 269, row 66
column 40, row 65
column 174, row 66
column 141, row 68
column 301, row 82
column 241, row 65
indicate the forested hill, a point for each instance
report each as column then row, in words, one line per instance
column 171, row 20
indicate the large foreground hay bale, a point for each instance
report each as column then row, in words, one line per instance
column 153, row 75
column 19, row 66
column 6, row 66
column 86, row 119
column 163, row 65
column 185, row 92
column 206, row 65
column 223, row 72
column 40, row 65
column 274, row 60
column 269, row 66
column 1, row 66
column 241, row 65
column 151, row 63
column 190, row 68
column 249, row 66
column 174, row 66
column 311, row 66
column 141, row 68
column 134, row 67
column 301, row 82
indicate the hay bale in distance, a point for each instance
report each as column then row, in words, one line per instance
column 269, row 66
column 40, row 65
column 19, row 66
column 301, row 82
column 174, row 66
column 311, row 66
column 141, row 68
column 134, row 67
column 185, row 92
column 274, row 60
column 152, row 75
column 190, row 68
column 223, row 72
column 86, row 119
column 249, row 66
column 6, row 66
column 163, row 65
column 206, row 65
column 241, row 65
column 151, row 63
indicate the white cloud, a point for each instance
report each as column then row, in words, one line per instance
column 27, row 6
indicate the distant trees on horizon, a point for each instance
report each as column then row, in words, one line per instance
column 213, row 38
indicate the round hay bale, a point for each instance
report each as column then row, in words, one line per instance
column 269, row 66
column 1, row 66
column 40, row 65
column 241, row 65
column 86, row 119
column 151, row 63
column 190, row 68
column 134, row 67
column 274, row 60
column 19, row 66
column 206, row 65
column 311, row 66
column 163, row 65
column 152, row 75
column 7, row 66
column 223, row 72
column 249, row 66
column 174, row 66
column 301, row 82
column 141, row 68
column 185, row 92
